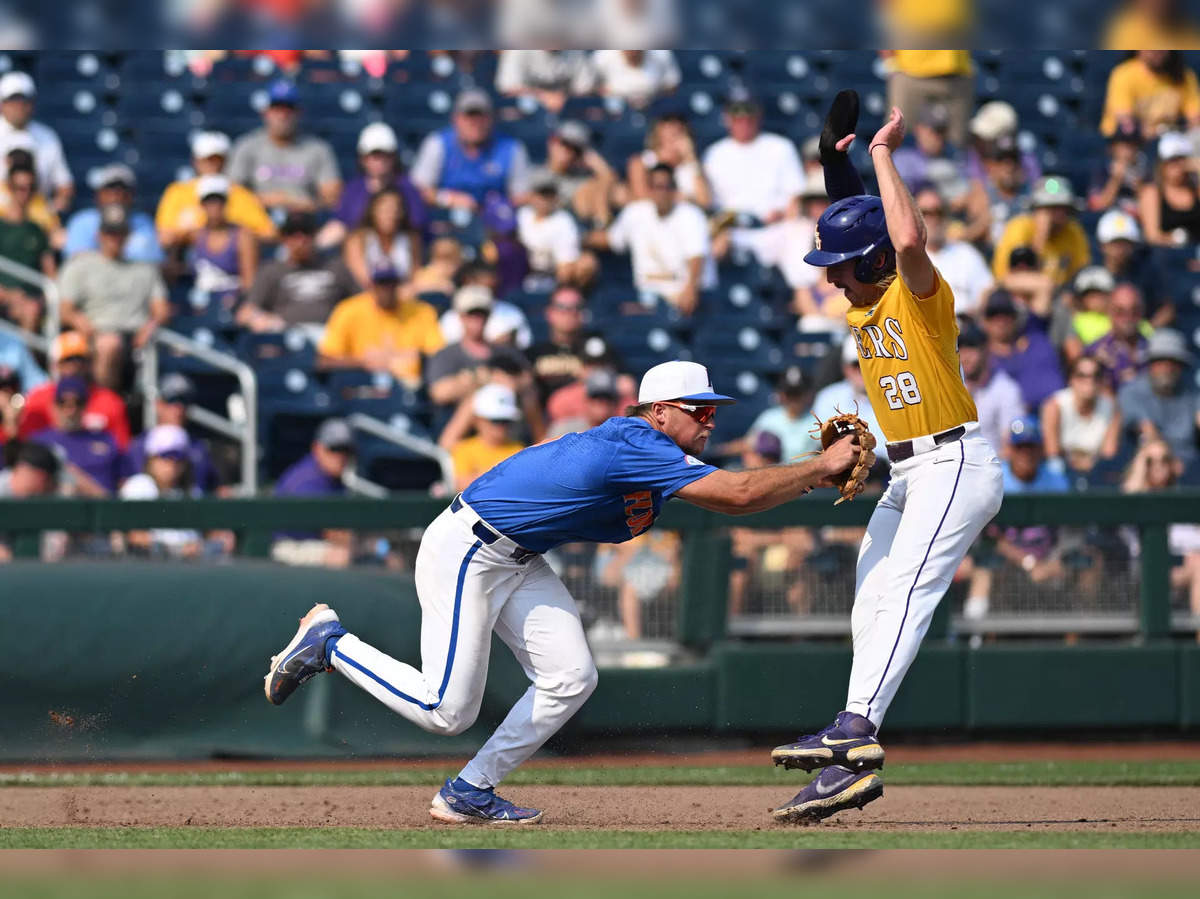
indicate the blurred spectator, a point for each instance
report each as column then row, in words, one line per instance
column 1129, row 260
column 930, row 159
column 491, row 413
column 383, row 329
column 788, row 419
column 960, row 264
column 458, row 166
column 846, row 395
column 1028, row 358
column 1051, row 229
column 1026, row 468
column 506, row 322
column 1153, row 91
column 1160, row 404
column 71, row 356
column 1080, row 423
column 298, row 289
column 993, row 130
column 1122, row 351
column 180, row 214
column 33, row 472
column 18, row 152
column 115, row 302
column 584, row 179
column 17, row 91
column 19, row 375
column 11, row 402
column 1033, row 291
column 549, row 76
column 319, row 474
column 668, row 243
column 602, row 402
column 820, row 305
column 502, row 251
column 1151, row 23
column 288, row 170
column 445, row 259
column 1119, row 176
column 224, row 256
column 1092, row 291
column 1006, row 190
column 175, row 393
column 1169, row 205
column 643, row 571
column 551, row 237
column 636, row 76
column 165, row 473
column 752, row 172
column 557, row 360
column 93, row 454
column 570, row 400
column 670, row 141
column 113, row 185
column 24, row 242
column 378, row 159
column 923, row 79
column 386, row 236
column 997, row 396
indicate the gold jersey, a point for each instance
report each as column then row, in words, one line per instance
column 908, row 352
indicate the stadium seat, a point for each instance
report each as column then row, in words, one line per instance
column 746, row 348
column 269, row 352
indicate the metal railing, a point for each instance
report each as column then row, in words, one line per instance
column 418, row 445
column 245, row 431
column 49, row 288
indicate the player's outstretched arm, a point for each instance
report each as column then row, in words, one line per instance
column 743, row 492
column 906, row 228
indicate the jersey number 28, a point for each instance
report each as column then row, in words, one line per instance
column 900, row 390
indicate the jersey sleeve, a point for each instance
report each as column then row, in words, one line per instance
column 650, row 461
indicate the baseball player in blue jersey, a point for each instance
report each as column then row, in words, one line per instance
column 480, row 569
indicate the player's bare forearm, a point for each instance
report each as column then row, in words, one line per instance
column 905, row 226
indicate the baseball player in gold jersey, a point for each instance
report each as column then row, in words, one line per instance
column 945, row 479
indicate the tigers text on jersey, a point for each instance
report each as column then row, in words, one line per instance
column 908, row 353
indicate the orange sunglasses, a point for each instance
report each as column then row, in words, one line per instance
column 700, row 414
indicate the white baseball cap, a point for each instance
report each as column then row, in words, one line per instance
column 1116, row 224
column 210, row 143
column 495, row 402
column 994, row 119
column 1174, row 145
column 849, row 350
column 164, row 439
column 679, row 380
column 16, row 84
column 377, row 137
column 207, row 185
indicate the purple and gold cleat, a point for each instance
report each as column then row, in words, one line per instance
column 305, row 656
column 850, row 742
column 459, row 802
column 831, row 791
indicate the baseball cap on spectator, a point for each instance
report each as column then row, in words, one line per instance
column 299, row 222
column 378, row 137
column 1025, row 431
column 849, row 350
column 170, row 441
column 210, row 143
column 1167, row 343
column 739, row 100
column 769, row 446
column 212, row 186
column 1003, row 147
column 473, row 100
column 114, row 219
column 473, row 298
column 72, row 385
column 39, row 456
column 69, row 345
column 680, row 380
column 115, row 174
column 1024, row 257
column 1052, row 190
column 282, row 93
column 993, row 119
column 936, row 117
column 793, row 380
column 17, row 84
column 814, row 186
column 1174, row 145
column 1116, row 224
column 1093, row 277
column 495, row 402
column 543, row 182
column 334, row 434
column 176, row 388
column 601, row 383
column 971, row 335
column 1000, row 302
column 385, row 273
column 498, row 215
column 575, row 134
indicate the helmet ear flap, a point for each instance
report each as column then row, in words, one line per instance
column 874, row 265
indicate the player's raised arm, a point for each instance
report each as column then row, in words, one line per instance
column 905, row 226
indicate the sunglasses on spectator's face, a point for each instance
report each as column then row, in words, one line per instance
column 933, row 212
column 700, row 414
column 1089, row 375
column 1158, row 460
column 567, row 307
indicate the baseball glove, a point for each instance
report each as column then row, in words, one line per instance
column 851, row 482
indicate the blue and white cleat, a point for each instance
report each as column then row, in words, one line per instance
column 831, row 791
column 850, row 742
column 458, row 802
column 304, row 656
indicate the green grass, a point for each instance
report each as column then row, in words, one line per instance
column 1019, row 773
column 551, row 838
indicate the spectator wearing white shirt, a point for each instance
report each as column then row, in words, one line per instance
column 551, row 237
column 959, row 263
column 997, row 396
column 636, row 76
column 668, row 241
column 549, row 76
column 17, row 91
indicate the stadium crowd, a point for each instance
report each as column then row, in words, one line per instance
column 493, row 248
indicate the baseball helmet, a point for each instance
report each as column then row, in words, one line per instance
column 854, row 228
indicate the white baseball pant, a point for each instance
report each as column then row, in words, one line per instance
column 933, row 509
column 468, row 588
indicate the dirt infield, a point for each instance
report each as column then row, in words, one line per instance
column 1140, row 809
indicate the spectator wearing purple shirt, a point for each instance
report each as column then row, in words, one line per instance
column 318, row 474
column 93, row 455
column 377, row 148
column 1029, row 358
column 175, row 392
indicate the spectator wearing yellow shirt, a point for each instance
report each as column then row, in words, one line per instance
column 1155, row 91
column 1050, row 228
column 923, row 79
column 384, row 329
column 180, row 215
column 1152, row 23
column 492, row 412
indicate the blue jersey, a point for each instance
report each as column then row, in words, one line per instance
column 606, row 485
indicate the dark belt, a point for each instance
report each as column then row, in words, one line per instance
column 488, row 536
column 898, row 452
